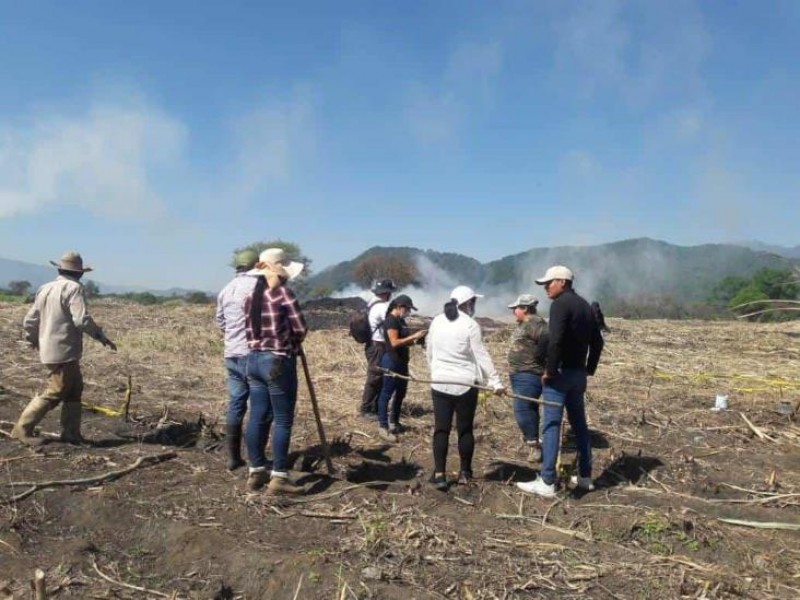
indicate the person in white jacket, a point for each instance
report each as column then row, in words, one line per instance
column 458, row 360
column 55, row 325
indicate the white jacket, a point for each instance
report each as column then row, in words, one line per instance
column 58, row 319
column 456, row 354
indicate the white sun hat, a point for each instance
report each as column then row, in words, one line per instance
column 277, row 256
column 463, row 293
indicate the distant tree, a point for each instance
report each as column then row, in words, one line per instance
column 725, row 290
column 91, row 289
column 322, row 291
column 143, row 298
column 777, row 284
column 19, row 288
column 292, row 250
column 750, row 293
column 197, row 298
column 400, row 270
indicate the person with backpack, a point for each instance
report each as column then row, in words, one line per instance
column 275, row 328
column 375, row 346
column 526, row 355
column 458, row 360
column 397, row 340
column 231, row 322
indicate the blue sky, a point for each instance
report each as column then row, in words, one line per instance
column 155, row 137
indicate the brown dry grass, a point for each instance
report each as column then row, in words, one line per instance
column 668, row 469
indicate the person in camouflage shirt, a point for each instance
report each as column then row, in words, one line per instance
column 526, row 358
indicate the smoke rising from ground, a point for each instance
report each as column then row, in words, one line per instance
column 630, row 270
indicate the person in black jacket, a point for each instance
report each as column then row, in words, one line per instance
column 573, row 351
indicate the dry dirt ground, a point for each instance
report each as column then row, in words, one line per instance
column 180, row 526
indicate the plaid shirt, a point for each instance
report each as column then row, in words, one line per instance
column 282, row 324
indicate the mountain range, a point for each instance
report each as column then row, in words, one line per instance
column 36, row 275
column 631, row 268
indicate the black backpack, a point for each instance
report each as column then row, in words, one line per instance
column 360, row 329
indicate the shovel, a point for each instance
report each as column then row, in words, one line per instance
column 326, row 450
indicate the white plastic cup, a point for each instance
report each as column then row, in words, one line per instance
column 720, row 403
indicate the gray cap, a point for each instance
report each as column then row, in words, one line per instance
column 524, row 300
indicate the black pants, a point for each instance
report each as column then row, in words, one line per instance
column 372, row 388
column 444, row 405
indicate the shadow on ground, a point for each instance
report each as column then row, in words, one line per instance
column 505, row 471
column 627, row 470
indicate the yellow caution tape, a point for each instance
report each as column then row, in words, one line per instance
column 765, row 383
column 103, row 410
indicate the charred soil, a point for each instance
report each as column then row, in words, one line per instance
column 178, row 525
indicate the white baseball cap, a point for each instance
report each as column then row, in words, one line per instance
column 557, row 272
column 463, row 293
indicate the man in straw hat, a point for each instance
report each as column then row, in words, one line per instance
column 55, row 325
column 573, row 351
column 230, row 320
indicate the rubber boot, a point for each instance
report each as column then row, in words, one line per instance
column 29, row 419
column 71, row 423
column 233, row 440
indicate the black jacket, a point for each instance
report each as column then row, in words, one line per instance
column 574, row 333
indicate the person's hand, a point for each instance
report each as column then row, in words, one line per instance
column 109, row 344
column 418, row 335
column 500, row 391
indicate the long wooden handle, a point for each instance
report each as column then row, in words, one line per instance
column 326, row 450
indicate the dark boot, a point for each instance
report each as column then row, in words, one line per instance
column 71, row 413
column 233, row 440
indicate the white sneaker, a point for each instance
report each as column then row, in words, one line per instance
column 582, row 483
column 538, row 487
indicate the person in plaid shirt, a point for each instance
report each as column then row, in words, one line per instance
column 275, row 327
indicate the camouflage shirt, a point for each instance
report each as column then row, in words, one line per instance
column 528, row 348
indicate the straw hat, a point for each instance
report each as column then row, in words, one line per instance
column 71, row 261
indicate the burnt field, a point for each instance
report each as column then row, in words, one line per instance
column 690, row 503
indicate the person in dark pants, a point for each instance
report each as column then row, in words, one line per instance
column 458, row 360
column 526, row 357
column 573, row 334
column 231, row 322
column 373, row 350
column 399, row 339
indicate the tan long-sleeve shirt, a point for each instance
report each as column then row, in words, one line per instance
column 58, row 319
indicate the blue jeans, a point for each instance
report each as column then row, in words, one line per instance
column 391, row 386
column 567, row 390
column 527, row 413
column 238, row 390
column 273, row 396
